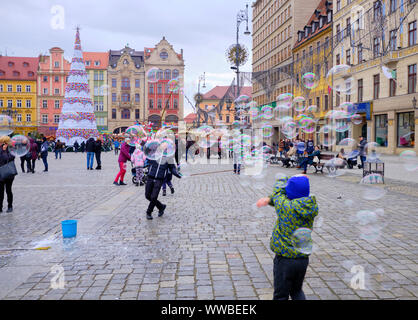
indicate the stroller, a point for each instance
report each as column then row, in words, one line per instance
column 144, row 178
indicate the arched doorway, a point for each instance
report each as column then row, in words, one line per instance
column 172, row 119
column 119, row 130
column 155, row 120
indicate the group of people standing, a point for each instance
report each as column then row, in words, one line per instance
column 94, row 149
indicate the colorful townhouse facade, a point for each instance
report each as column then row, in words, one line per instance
column 312, row 59
column 97, row 64
column 18, row 92
column 51, row 81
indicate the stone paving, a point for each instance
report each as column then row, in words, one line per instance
column 211, row 243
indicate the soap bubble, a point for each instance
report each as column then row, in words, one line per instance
column 173, row 85
column 285, row 99
column 312, row 109
column 373, row 178
column 206, row 137
column 167, row 148
column 152, row 75
column 6, row 125
column 19, row 145
column 301, row 147
column 409, row 160
column 372, row 150
column 134, row 135
column 310, row 80
column 242, row 99
column 267, row 130
column 335, row 167
column 329, row 138
column 356, row 119
column 299, row 104
column 341, row 71
column 302, row 240
column 373, row 193
column 267, row 112
column 152, row 150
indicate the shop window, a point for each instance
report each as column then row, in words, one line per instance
column 406, row 129
column 381, row 129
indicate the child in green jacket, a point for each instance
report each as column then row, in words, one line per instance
column 295, row 209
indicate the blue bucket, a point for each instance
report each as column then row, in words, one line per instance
column 69, row 228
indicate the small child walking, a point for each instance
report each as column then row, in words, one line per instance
column 138, row 160
column 295, row 209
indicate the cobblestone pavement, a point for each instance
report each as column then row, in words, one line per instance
column 211, row 243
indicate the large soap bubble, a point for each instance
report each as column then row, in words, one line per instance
column 19, row 146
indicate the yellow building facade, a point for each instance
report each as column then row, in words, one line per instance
column 18, row 92
column 312, row 59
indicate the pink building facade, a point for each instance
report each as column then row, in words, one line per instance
column 51, row 81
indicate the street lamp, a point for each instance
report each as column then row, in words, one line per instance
column 241, row 17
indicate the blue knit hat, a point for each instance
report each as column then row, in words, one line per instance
column 297, row 187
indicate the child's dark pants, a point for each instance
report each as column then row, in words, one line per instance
column 288, row 277
column 152, row 189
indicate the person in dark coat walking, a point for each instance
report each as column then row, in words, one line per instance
column 82, row 146
column 44, row 153
column 90, row 148
column 34, row 153
column 76, row 147
column 59, row 146
column 24, row 159
column 98, row 152
column 6, row 157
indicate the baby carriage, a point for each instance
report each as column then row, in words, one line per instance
column 144, row 177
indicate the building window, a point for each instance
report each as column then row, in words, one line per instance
column 28, row 117
column 125, row 83
column 377, row 10
column 57, row 91
column 412, row 78
column 167, row 74
column 100, row 106
column 125, row 114
column 376, row 47
column 28, row 103
column 167, row 89
column 56, row 118
column 360, row 53
column 136, row 97
column 175, row 104
column 137, row 83
column 392, row 87
column 45, row 91
column 159, row 88
column 151, row 103
column 9, row 103
column 57, row 79
column 326, row 102
column 18, row 88
column 100, row 78
column 412, row 38
column 113, row 113
column 175, row 73
column 151, row 89
column 97, row 63
column 44, row 104
column 167, row 104
column 348, row 28
column 1, row 103
column 44, row 118
column 227, row 118
column 9, row 88
column 392, row 40
column 337, row 59
column 113, row 83
column 28, row 88
column 348, row 56
column 159, row 103
column 57, row 104
column 392, row 6
column 160, row 75
column 19, row 103
column 376, row 86
column 45, row 78
column 360, row 90
column 87, row 62
column 338, row 5
column 136, row 113
column 56, row 64
column 406, row 129
column 19, row 117
column 126, row 97
column 381, row 129
column 113, row 97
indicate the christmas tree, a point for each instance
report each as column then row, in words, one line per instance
column 77, row 120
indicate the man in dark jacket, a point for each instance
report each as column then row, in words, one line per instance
column 90, row 148
column 82, row 146
column 76, row 146
column 362, row 150
column 44, row 153
column 310, row 159
column 98, row 152
column 158, row 169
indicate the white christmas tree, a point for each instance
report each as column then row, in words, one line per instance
column 77, row 120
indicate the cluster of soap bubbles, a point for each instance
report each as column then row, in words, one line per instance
column 161, row 146
column 134, row 135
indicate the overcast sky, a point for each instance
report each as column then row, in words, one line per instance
column 203, row 29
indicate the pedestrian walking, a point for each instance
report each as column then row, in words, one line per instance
column 98, row 152
column 59, row 146
column 44, row 153
column 124, row 156
column 116, row 144
column 82, row 146
column 76, row 147
column 90, row 149
column 23, row 159
column 33, row 151
column 295, row 209
column 158, row 169
column 8, row 173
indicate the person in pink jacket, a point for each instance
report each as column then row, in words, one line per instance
column 123, row 157
column 138, row 159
